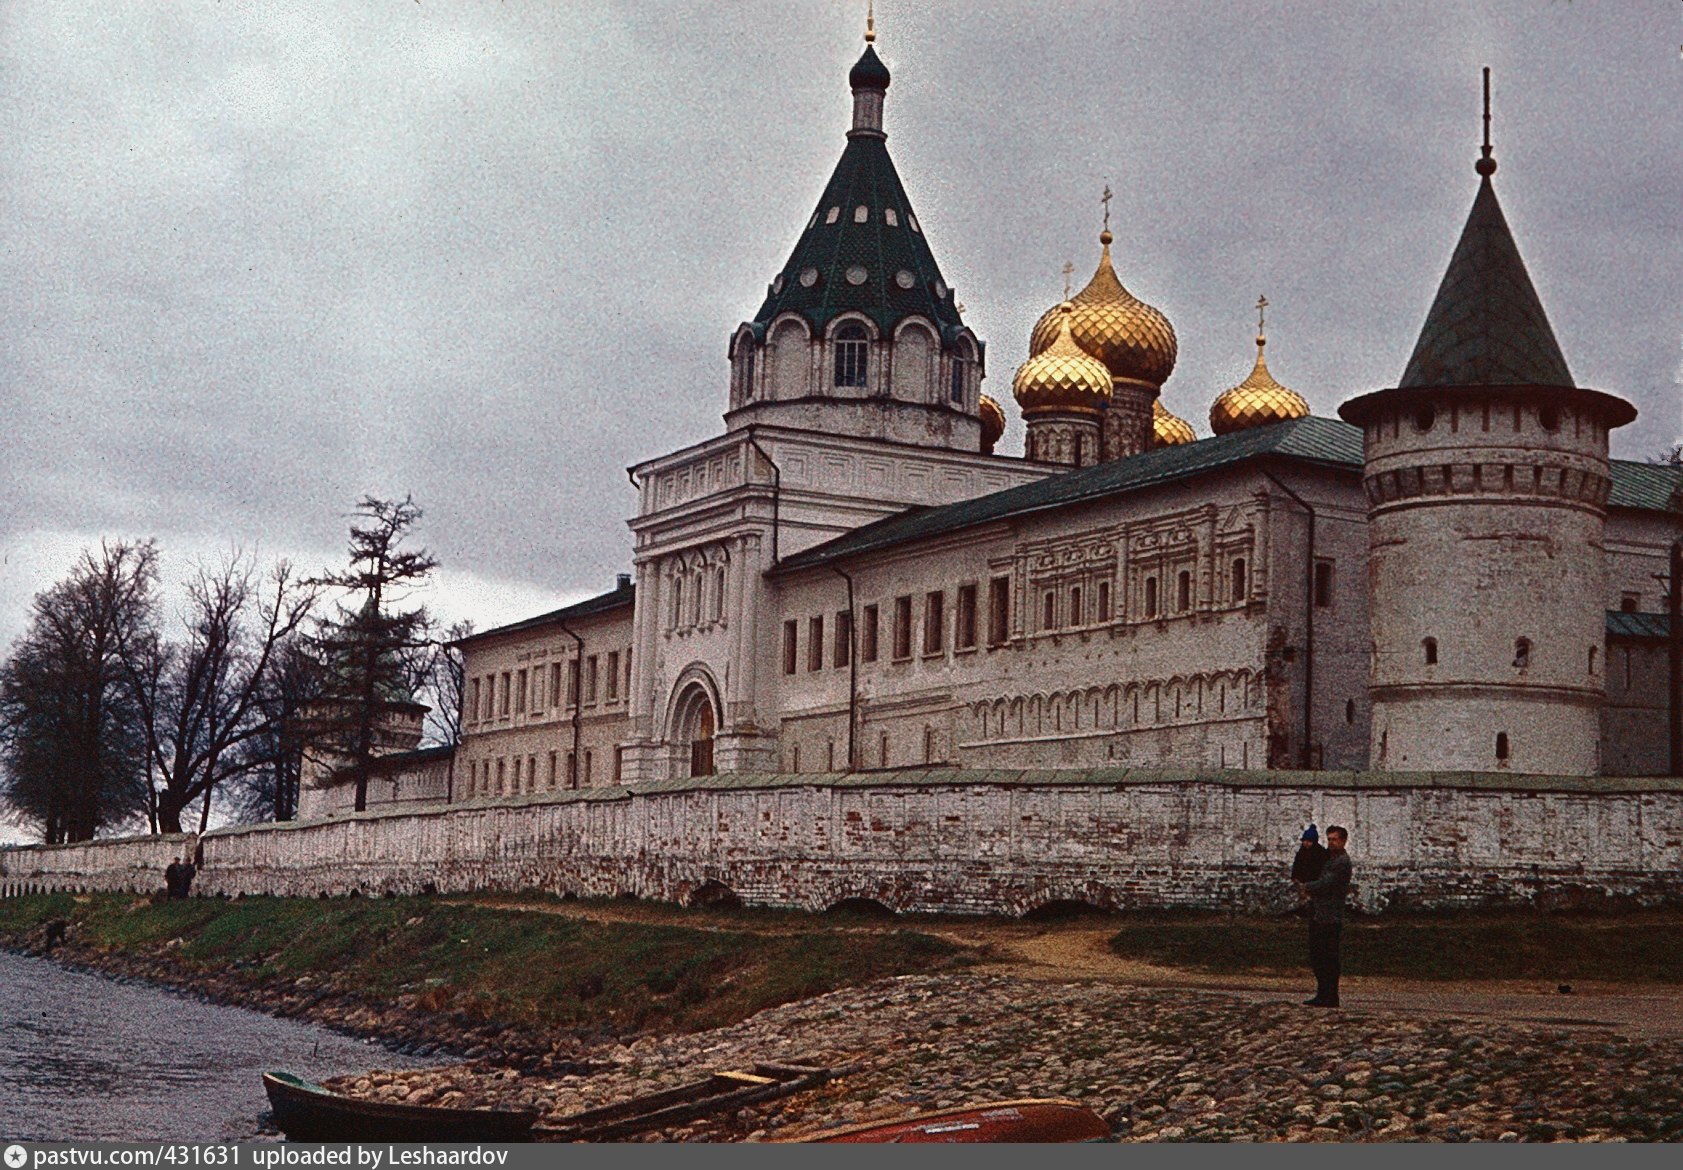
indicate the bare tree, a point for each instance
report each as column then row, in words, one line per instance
column 446, row 685
column 202, row 699
column 72, row 743
column 268, row 789
column 373, row 655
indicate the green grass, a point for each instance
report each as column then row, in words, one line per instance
column 1628, row 947
column 489, row 963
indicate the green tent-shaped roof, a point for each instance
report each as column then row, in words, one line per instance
column 1486, row 326
column 864, row 229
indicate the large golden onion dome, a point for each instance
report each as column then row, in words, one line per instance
column 993, row 422
column 1061, row 376
column 1134, row 341
column 1259, row 399
column 1169, row 430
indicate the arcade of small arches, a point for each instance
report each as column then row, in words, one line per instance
column 853, row 359
column 1118, row 707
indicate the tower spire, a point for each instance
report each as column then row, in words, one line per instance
column 871, row 22
column 1486, row 165
column 1261, row 335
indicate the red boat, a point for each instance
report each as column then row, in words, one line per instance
column 1037, row 1120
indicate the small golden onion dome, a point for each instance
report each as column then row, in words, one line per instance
column 1257, row 401
column 1169, row 430
column 993, row 422
column 1134, row 341
column 1061, row 376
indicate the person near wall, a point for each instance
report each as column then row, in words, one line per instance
column 1325, row 895
column 1310, row 860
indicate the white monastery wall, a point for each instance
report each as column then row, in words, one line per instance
column 972, row 842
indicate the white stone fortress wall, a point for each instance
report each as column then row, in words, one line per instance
column 954, row 840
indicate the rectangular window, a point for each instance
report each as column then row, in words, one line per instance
column 572, row 770
column 552, row 770
column 791, row 632
column 502, row 772
column 573, row 683
column 815, row 643
column 619, row 754
column 902, row 627
column 537, row 689
column 590, row 672
column 613, row 675
column 935, row 622
column 555, row 684
column 587, row 762
column 1049, row 610
column 999, row 611
column 844, row 638
column 520, row 692
column 473, row 700
column 502, row 704
column 868, row 634
column 964, row 632
column 531, row 773
column 628, row 670
column 1323, row 584
column 490, row 708
column 1104, row 601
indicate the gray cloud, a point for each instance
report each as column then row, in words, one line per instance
column 257, row 260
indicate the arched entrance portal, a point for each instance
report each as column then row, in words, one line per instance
column 695, row 725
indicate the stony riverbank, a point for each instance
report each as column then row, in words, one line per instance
column 1160, row 1065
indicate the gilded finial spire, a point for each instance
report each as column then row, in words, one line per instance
column 1486, row 165
column 870, row 21
column 1105, row 199
column 1069, row 270
column 1261, row 309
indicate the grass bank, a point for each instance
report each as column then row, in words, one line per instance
column 1615, row 947
column 464, row 976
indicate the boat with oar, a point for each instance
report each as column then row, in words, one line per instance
column 307, row 1112
column 722, row 1092
column 1037, row 1120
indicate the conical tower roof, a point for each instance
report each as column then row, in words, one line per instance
column 863, row 249
column 1486, row 326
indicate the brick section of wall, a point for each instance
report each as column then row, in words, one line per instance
column 958, row 841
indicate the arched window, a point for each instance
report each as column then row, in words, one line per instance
column 852, row 350
column 1076, row 617
column 1104, row 601
column 956, row 390
column 1241, row 581
column 677, row 601
column 1430, row 646
column 746, row 365
column 1151, row 597
column 1049, row 611
column 1522, row 653
column 1183, row 592
column 719, row 595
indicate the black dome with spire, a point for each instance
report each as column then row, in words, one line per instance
column 868, row 72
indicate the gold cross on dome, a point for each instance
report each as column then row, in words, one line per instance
column 1106, row 201
column 1069, row 270
column 1261, row 305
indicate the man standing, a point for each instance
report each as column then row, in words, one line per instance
column 1325, row 895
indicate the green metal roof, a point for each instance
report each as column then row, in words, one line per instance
column 1321, row 441
column 602, row 603
column 865, row 177
column 1486, row 326
column 1647, row 626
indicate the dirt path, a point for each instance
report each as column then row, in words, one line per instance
column 1079, row 951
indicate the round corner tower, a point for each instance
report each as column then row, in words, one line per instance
column 1487, row 477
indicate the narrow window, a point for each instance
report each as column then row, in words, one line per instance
column 1592, row 653
column 795, row 758
column 890, row 217
column 695, row 600
column 1522, row 653
column 553, row 774
column 1430, row 646
column 590, row 679
column 844, row 638
column 587, row 761
column 748, row 372
column 999, row 611
column 1241, row 580
column 1104, row 601
column 677, row 601
column 829, row 755
column 902, row 627
column 1077, row 616
column 1501, row 745
column 537, row 689
column 1349, row 710
column 928, row 744
column 832, row 215
column 790, row 633
column 619, row 764
column 520, row 692
column 861, row 213
column 531, row 773
column 489, row 709
column 882, row 752
column 473, row 700
column 1049, row 611
column 719, row 596
column 815, row 643
column 573, row 670
column 964, row 632
column 502, row 773
column 1183, row 591
column 1151, row 597
column 935, row 622
column 852, row 349
column 956, row 391
column 1323, row 584
column 555, row 684
column 868, row 634
column 572, row 770
column 613, row 675
column 502, row 705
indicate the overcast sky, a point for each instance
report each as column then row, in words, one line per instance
column 259, row 259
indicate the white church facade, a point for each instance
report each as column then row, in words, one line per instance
column 1453, row 576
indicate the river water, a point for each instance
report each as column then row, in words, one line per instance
column 87, row 1058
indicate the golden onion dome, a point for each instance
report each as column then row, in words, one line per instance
column 993, row 422
column 1134, row 341
column 1259, row 399
column 1061, row 376
column 1167, row 429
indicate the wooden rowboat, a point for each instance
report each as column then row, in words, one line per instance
column 722, row 1092
column 1036, row 1120
column 306, row 1112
